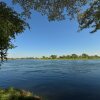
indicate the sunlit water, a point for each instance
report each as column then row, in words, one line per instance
column 54, row 79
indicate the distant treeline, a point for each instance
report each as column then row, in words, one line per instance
column 72, row 56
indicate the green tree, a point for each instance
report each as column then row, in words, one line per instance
column 68, row 56
column 53, row 56
column 62, row 57
column 11, row 24
column 87, row 11
column 91, row 17
column 43, row 57
column 96, row 56
column 74, row 56
column 84, row 55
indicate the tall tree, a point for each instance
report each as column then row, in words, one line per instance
column 86, row 11
column 11, row 24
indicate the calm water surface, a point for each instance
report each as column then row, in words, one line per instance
column 54, row 79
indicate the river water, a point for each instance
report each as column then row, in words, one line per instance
column 54, row 79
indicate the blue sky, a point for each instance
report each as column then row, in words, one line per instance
column 60, row 38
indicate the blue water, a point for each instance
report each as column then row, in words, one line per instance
column 54, row 79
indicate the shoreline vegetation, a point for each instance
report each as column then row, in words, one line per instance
column 15, row 94
column 63, row 57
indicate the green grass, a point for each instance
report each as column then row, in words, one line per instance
column 14, row 94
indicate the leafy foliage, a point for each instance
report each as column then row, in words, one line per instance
column 54, row 9
column 11, row 24
column 53, row 56
column 87, row 11
column 91, row 17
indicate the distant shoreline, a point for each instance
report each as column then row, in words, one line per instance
column 83, row 56
column 52, row 59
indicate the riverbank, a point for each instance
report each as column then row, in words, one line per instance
column 15, row 94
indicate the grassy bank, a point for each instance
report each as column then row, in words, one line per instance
column 14, row 94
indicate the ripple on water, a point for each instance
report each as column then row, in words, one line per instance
column 55, row 79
